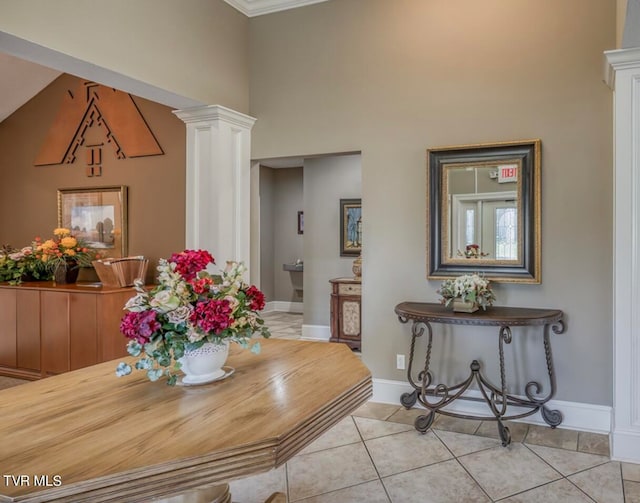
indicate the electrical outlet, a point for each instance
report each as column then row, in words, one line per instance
column 400, row 362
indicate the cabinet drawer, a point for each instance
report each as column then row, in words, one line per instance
column 347, row 289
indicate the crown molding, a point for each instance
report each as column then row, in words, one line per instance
column 252, row 8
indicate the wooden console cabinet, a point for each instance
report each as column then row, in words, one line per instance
column 48, row 329
column 345, row 311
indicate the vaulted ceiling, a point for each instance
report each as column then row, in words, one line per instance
column 21, row 80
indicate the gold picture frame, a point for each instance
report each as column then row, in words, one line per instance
column 350, row 227
column 97, row 215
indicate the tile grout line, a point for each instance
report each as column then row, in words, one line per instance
column 355, row 423
column 460, row 464
column 565, row 477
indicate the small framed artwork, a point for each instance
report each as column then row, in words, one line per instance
column 350, row 227
column 301, row 222
column 98, row 216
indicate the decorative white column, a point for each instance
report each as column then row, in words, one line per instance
column 622, row 74
column 218, row 182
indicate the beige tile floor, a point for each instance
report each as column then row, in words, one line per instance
column 375, row 455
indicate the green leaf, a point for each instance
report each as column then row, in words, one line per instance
column 123, row 369
column 144, row 364
column 134, row 348
column 154, row 374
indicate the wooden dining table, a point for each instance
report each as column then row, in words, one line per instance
column 89, row 436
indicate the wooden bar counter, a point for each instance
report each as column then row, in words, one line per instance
column 94, row 437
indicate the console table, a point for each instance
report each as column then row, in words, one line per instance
column 48, row 329
column 423, row 315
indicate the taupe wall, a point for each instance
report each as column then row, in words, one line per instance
column 326, row 181
column 28, row 204
column 287, row 242
column 267, row 232
column 280, row 201
column 392, row 79
column 196, row 48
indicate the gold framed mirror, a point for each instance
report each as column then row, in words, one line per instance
column 483, row 211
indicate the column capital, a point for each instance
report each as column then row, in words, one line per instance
column 212, row 113
column 619, row 59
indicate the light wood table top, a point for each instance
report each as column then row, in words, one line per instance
column 99, row 438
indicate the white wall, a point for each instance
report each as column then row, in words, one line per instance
column 326, row 181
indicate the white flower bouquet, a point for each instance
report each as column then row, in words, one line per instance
column 471, row 288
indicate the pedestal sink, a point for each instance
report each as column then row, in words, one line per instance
column 295, row 271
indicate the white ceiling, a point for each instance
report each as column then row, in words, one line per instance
column 251, row 8
column 21, row 80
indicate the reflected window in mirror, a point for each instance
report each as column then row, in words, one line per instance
column 483, row 211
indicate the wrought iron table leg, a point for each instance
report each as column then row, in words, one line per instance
column 424, row 422
column 552, row 417
column 408, row 400
column 505, row 434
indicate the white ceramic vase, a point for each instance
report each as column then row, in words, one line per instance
column 204, row 364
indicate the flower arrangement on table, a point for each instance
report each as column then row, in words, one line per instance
column 63, row 250
column 187, row 308
column 471, row 288
column 40, row 260
column 472, row 251
column 16, row 265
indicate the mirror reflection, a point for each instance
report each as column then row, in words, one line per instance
column 481, row 212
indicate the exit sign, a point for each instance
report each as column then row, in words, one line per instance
column 508, row 173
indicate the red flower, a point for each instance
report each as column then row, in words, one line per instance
column 139, row 325
column 212, row 315
column 191, row 262
column 201, row 285
column 255, row 298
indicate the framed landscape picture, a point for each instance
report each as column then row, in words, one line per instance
column 98, row 216
column 350, row 227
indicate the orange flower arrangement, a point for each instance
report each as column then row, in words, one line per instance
column 63, row 249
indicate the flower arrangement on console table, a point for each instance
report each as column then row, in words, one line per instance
column 467, row 293
column 59, row 258
column 187, row 321
column 63, row 255
column 16, row 265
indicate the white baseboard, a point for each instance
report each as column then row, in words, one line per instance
column 625, row 445
column 283, row 306
column 576, row 416
column 316, row 333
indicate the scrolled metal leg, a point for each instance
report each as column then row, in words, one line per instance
column 552, row 417
column 505, row 434
column 423, row 422
column 408, row 400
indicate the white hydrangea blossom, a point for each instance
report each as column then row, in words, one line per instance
column 469, row 288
